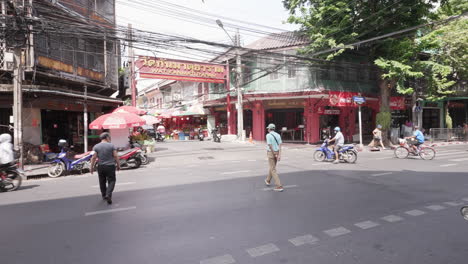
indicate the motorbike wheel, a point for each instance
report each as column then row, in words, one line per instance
column 319, row 156
column 350, row 156
column 56, row 170
column 401, row 153
column 144, row 159
column 12, row 183
column 136, row 162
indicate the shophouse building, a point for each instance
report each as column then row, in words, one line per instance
column 71, row 48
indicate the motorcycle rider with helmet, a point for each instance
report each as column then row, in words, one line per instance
column 339, row 143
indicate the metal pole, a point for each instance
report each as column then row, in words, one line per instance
column 132, row 63
column 240, row 110
column 85, row 118
column 360, row 128
column 18, row 105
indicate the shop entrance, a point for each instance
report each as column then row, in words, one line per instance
column 327, row 124
column 431, row 118
column 58, row 125
column 289, row 122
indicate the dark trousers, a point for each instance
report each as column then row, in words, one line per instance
column 106, row 174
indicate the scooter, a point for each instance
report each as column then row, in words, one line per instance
column 160, row 137
column 347, row 153
column 216, row 135
column 130, row 158
column 142, row 154
column 63, row 164
column 10, row 177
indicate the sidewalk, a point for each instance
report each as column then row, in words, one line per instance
column 36, row 170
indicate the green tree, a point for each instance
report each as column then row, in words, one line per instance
column 335, row 23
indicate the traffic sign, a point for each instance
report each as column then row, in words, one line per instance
column 359, row 99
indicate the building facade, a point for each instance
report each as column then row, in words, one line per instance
column 70, row 49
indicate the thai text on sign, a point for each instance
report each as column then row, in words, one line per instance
column 160, row 68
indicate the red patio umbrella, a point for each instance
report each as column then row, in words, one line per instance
column 118, row 120
column 151, row 120
column 129, row 109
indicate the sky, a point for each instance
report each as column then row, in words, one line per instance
column 153, row 15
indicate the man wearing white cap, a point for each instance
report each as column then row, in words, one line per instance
column 274, row 155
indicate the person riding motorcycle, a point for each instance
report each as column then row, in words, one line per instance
column 339, row 143
column 419, row 137
column 6, row 150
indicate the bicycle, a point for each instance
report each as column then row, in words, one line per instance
column 403, row 151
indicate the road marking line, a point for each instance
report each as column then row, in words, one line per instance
column 392, row 218
column 225, row 259
column 235, row 161
column 448, row 165
column 337, row 231
column 117, row 184
column 234, row 172
column 252, row 160
column 381, row 174
column 384, row 158
column 284, row 187
column 192, row 166
column 459, row 159
column 415, row 212
column 366, row 224
column 435, row 207
column 450, row 153
column 262, row 250
column 110, row 211
column 453, row 203
column 302, row 240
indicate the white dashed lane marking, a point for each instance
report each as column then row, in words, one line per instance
column 448, row 165
column 415, row 212
column 234, row 172
column 262, row 250
column 110, row 211
column 435, row 207
column 302, row 240
column 384, row 158
column 337, row 231
column 381, row 174
column 456, row 160
column 284, row 187
column 252, row 160
column 392, row 218
column 450, row 154
column 225, row 259
column 366, row 224
column 453, row 203
column 117, row 184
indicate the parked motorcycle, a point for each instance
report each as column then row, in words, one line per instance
column 464, row 212
column 347, row 153
column 63, row 163
column 216, row 135
column 160, row 137
column 130, row 158
column 142, row 154
column 10, row 177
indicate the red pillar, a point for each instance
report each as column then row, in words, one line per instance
column 232, row 118
column 311, row 132
column 258, row 120
column 347, row 122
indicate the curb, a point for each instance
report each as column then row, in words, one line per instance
column 449, row 143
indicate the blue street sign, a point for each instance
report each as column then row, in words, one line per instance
column 359, row 99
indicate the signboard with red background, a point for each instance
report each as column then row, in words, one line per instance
column 160, row 68
column 342, row 99
column 397, row 103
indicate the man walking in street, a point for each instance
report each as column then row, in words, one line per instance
column 274, row 156
column 108, row 162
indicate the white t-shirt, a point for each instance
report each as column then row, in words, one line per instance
column 339, row 138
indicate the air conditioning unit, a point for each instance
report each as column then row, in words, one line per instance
column 7, row 63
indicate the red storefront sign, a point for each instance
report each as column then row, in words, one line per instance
column 160, row 68
column 342, row 98
column 397, row 103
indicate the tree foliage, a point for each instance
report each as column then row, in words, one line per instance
column 436, row 56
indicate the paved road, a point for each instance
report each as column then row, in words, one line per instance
column 202, row 202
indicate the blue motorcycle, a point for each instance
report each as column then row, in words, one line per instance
column 63, row 164
column 347, row 153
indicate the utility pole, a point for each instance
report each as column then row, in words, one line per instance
column 18, row 104
column 240, row 109
column 85, row 118
column 132, row 63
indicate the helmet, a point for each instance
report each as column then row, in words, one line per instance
column 337, row 129
column 379, row 126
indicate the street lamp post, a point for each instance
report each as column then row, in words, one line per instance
column 240, row 110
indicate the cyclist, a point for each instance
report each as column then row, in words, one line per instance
column 339, row 143
column 419, row 137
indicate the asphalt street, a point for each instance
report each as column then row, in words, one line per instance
column 203, row 202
